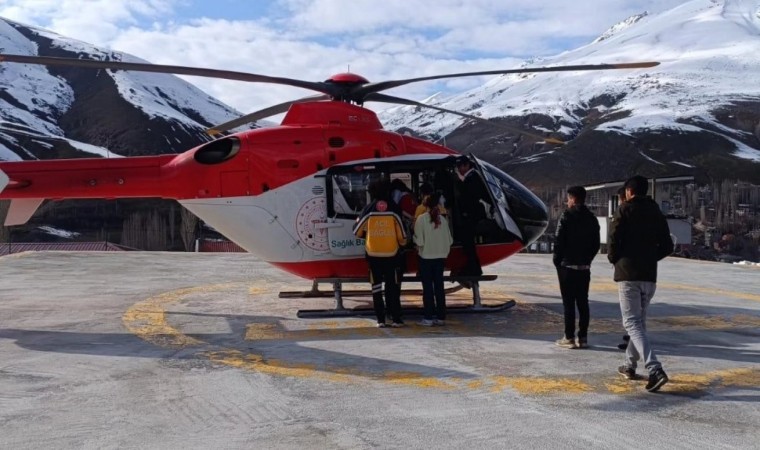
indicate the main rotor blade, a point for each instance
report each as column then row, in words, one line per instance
column 262, row 114
column 383, row 85
column 158, row 68
column 375, row 97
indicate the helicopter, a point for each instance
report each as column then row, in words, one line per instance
column 290, row 194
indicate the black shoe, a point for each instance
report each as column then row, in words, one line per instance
column 627, row 372
column 623, row 346
column 657, row 379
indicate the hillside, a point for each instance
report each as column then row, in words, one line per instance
column 697, row 113
column 52, row 112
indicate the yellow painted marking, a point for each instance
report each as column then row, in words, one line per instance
column 739, row 377
column 620, row 386
column 257, row 290
column 147, row 320
column 417, row 380
column 686, row 383
column 539, row 385
column 263, row 331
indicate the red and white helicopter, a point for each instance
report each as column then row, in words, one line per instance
column 290, row 194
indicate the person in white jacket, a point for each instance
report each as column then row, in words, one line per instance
column 432, row 236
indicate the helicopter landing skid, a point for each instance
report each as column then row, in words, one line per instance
column 470, row 282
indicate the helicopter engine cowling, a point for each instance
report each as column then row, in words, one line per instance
column 218, row 151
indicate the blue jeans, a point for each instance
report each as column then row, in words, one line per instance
column 433, row 293
column 635, row 297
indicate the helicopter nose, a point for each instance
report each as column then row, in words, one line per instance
column 524, row 208
column 532, row 229
column 528, row 211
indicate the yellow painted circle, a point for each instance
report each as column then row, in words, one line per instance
column 147, row 319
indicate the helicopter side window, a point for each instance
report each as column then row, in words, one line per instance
column 350, row 193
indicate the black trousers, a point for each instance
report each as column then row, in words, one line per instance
column 467, row 236
column 386, row 271
column 433, row 291
column 573, row 284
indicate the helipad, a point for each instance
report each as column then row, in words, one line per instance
column 161, row 350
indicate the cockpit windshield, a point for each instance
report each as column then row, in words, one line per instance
column 522, row 204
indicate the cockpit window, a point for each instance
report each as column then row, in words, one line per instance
column 521, row 203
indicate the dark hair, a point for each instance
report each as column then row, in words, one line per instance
column 461, row 160
column 426, row 189
column 638, row 185
column 579, row 192
column 431, row 203
column 378, row 189
column 399, row 184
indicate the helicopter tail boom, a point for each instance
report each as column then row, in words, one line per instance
column 28, row 183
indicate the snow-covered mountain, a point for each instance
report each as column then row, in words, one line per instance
column 697, row 113
column 52, row 112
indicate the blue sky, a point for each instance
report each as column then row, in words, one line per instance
column 313, row 39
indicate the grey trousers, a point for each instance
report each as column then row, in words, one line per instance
column 635, row 297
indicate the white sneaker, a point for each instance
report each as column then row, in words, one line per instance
column 427, row 322
column 439, row 322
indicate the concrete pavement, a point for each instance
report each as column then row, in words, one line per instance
column 168, row 350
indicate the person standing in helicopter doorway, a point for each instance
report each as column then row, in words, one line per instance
column 576, row 244
column 384, row 236
column 471, row 192
column 433, row 239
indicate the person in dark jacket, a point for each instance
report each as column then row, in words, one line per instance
column 620, row 200
column 471, row 191
column 639, row 238
column 575, row 246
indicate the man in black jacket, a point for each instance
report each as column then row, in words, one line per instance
column 575, row 246
column 471, row 192
column 639, row 237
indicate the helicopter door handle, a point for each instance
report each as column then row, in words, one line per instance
column 323, row 225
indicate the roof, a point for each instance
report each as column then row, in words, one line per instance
column 18, row 247
column 220, row 247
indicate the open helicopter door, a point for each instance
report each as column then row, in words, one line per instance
column 348, row 192
column 499, row 219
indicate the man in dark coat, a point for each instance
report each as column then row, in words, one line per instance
column 639, row 238
column 575, row 246
column 471, row 192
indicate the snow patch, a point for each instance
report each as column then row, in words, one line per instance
column 94, row 149
column 747, row 263
column 58, row 232
column 620, row 26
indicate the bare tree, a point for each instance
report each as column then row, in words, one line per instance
column 145, row 231
column 4, row 231
column 188, row 229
